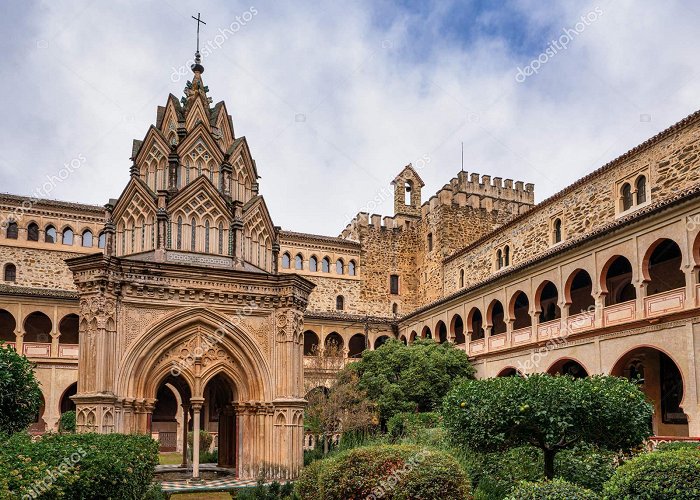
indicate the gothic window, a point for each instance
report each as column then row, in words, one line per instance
column 12, row 230
column 206, row 236
column 179, row 233
column 394, row 284
column 67, row 236
column 499, row 259
column 506, row 256
column 339, row 267
column 50, row 234
column 101, row 240
column 221, row 237
column 351, row 268
column 87, row 238
column 194, row 235
column 211, row 175
column 626, row 194
column 132, row 232
column 33, row 232
column 298, row 262
column 313, row 264
column 339, row 303
column 285, row 261
column 123, row 241
column 143, row 235
column 10, row 272
column 187, row 174
column 461, row 278
column 326, row 265
column 556, row 234
column 641, row 186
column 146, row 179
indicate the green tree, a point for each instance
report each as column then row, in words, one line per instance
column 550, row 413
column 20, row 396
column 413, row 378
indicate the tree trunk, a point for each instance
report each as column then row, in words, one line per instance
column 549, row 463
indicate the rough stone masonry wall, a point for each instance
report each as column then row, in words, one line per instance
column 673, row 165
column 322, row 298
column 39, row 268
column 384, row 252
column 453, row 227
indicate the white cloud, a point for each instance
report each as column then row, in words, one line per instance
column 374, row 90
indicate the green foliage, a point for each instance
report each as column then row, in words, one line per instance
column 557, row 489
column 551, row 413
column 155, row 492
column 412, row 425
column 83, row 466
column 273, row 491
column 20, row 395
column 396, row 472
column 586, row 466
column 679, row 445
column 660, row 475
column 67, row 422
column 205, row 440
column 209, row 457
column 411, row 378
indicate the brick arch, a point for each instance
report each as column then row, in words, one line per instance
column 556, row 367
column 577, row 273
column 646, row 261
column 458, row 331
column 696, row 250
column 441, row 334
column 519, row 322
column 494, row 307
column 470, row 324
column 509, row 371
column 426, row 332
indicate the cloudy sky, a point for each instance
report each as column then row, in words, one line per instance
column 336, row 97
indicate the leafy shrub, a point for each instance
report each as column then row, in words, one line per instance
column 155, row 493
column 411, row 424
column 20, row 396
column 586, row 466
column 205, row 440
column 556, row 489
column 81, row 466
column 67, row 422
column 209, row 457
column 396, row 472
column 679, row 445
column 659, row 475
column 273, row 491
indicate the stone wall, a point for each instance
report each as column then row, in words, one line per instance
column 670, row 162
column 39, row 268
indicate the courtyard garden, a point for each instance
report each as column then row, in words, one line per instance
column 415, row 425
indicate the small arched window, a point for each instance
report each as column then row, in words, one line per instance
column 313, row 264
column 87, row 238
column 32, row 232
column 298, row 262
column 193, row 239
column 408, row 188
column 506, row 256
column 499, row 259
column 221, row 238
column 395, row 308
column 339, row 267
column 286, row 261
column 10, row 272
column 179, row 233
column 50, row 234
column 339, row 303
column 351, row 268
column 12, row 230
column 626, row 194
column 67, row 236
column 641, row 186
column 430, row 242
column 461, row 278
column 556, row 237
column 101, row 240
column 206, row 236
column 326, row 265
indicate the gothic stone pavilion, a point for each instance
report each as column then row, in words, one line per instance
column 181, row 305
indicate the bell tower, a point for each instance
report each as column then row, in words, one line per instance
column 407, row 197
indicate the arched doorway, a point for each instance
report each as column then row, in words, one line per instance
column 568, row 366
column 475, row 324
column 616, row 281
column 496, row 318
column 68, row 327
column 219, row 417
column 356, row 345
column 380, row 341
column 441, row 332
column 659, row 377
column 509, row 372
column 579, row 292
column 310, row 343
column 457, row 328
column 520, row 311
column 66, row 403
column 426, row 333
column 662, row 267
column 547, row 299
column 37, row 328
column 7, row 326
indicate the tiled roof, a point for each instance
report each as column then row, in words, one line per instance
column 317, row 238
column 37, row 292
column 605, row 230
column 16, row 199
column 583, row 180
column 355, row 318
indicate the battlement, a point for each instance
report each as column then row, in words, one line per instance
column 494, row 187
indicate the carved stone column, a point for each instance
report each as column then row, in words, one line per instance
column 196, row 420
column 173, row 169
column 185, row 425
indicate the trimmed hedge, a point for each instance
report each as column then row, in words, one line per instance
column 67, row 422
column 84, row 466
column 679, row 445
column 659, row 475
column 556, row 489
column 395, row 472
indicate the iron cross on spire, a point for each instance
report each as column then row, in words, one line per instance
column 199, row 21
